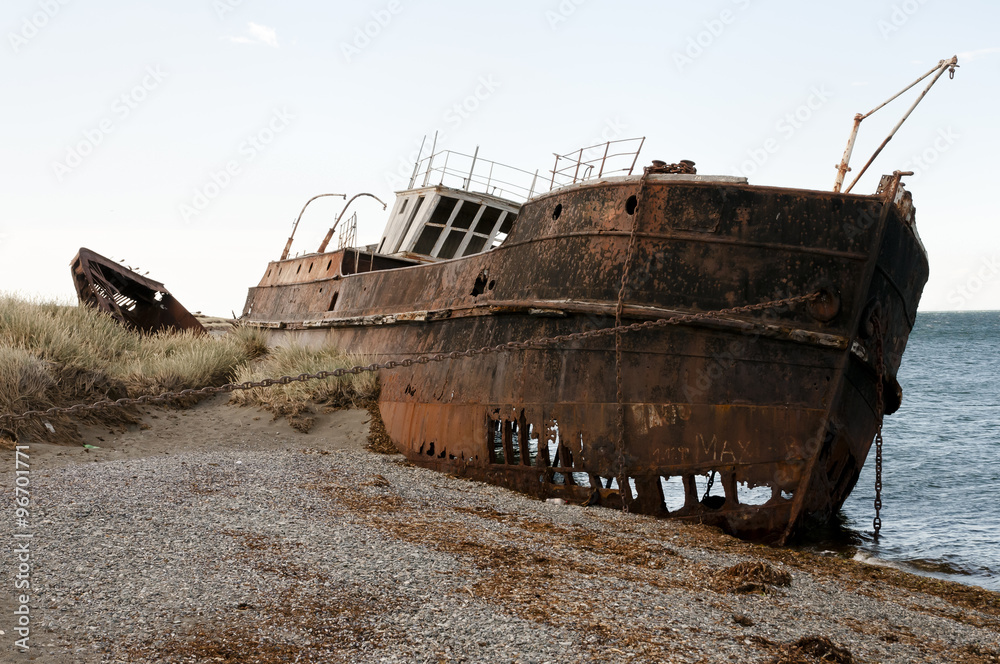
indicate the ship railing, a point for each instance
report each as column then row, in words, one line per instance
column 596, row 161
column 471, row 173
column 348, row 234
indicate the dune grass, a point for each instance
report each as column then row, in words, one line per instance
column 24, row 380
column 58, row 355
column 296, row 401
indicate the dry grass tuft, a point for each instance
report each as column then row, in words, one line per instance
column 296, row 400
column 24, row 380
column 252, row 339
column 57, row 355
column 169, row 361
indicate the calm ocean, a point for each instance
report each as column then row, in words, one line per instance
column 941, row 472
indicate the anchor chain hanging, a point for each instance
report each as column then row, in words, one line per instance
column 880, row 414
column 684, row 167
column 623, row 483
column 708, row 487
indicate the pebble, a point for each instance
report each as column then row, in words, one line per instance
column 354, row 556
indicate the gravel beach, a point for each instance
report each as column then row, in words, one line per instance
column 217, row 535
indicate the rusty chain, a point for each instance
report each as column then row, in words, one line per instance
column 623, row 487
column 510, row 346
column 684, row 167
column 708, row 486
column 879, row 413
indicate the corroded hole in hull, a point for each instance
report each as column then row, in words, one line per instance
column 673, row 493
column 716, row 496
column 561, row 469
column 515, row 441
column 757, row 495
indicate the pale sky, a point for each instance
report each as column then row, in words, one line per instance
column 184, row 136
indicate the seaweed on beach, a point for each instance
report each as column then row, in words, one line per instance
column 378, row 438
column 811, row 650
column 753, row 576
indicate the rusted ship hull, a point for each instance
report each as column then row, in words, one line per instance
column 783, row 399
column 132, row 299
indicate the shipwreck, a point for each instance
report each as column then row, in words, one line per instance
column 753, row 410
column 134, row 300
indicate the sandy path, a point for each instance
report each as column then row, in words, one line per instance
column 210, row 425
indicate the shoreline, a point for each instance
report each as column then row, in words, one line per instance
column 212, row 533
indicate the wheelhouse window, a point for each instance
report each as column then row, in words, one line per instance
column 505, row 225
column 460, row 227
column 409, row 222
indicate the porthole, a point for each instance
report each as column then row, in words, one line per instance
column 631, row 204
column 557, row 211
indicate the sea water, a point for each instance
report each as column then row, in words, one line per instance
column 941, row 468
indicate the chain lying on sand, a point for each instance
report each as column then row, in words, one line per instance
column 510, row 346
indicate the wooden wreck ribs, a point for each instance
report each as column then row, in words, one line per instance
column 784, row 399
